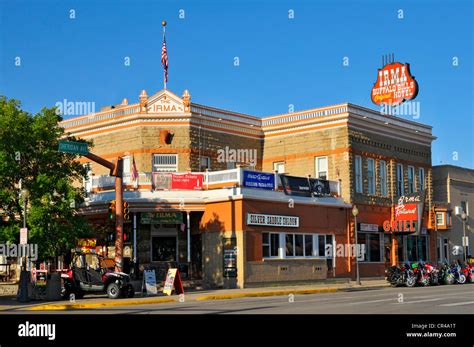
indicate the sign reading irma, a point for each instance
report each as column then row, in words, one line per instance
column 273, row 220
column 161, row 218
column 394, row 85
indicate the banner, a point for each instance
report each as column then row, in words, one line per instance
column 173, row 283
column 319, row 187
column 261, row 180
column 169, row 181
column 87, row 245
column 150, row 282
column 297, row 186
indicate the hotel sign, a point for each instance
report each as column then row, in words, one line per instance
column 394, row 85
column 273, row 220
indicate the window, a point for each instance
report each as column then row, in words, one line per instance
column 321, row 169
column 417, row 248
column 270, row 244
column 372, row 246
column 371, row 176
column 163, row 248
column 230, row 165
column 440, row 218
column 279, row 167
column 358, row 174
column 126, row 169
column 300, row 245
column 465, row 207
column 205, row 163
column 400, row 190
column 383, row 177
column 165, row 162
column 411, row 179
column 421, row 175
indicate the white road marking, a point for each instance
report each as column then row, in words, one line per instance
column 372, row 301
column 459, row 303
column 418, row 301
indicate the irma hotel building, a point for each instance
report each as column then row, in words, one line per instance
column 222, row 233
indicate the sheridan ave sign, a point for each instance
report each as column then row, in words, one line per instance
column 73, row 147
column 273, row 220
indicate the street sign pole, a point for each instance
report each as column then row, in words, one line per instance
column 116, row 169
column 119, row 216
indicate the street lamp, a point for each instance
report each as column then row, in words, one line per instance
column 355, row 212
column 464, row 241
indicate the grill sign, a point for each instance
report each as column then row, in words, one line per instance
column 408, row 214
column 394, row 85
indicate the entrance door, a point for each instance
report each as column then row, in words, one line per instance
column 164, row 248
column 196, row 256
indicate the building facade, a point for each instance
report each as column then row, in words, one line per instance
column 453, row 187
column 365, row 158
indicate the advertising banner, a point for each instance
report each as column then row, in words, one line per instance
column 168, row 181
column 319, row 187
column 297, row 186
column 261, row 180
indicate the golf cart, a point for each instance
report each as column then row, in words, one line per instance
column 92, row 273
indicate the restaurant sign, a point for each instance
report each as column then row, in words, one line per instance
column 408, row 214
column 261, row 180
column 394, row 85
column 172, row 181
column 161, row 218
column 273, row 220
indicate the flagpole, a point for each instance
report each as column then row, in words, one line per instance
column 163, row 23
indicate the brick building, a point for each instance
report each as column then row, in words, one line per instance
column 366, row 158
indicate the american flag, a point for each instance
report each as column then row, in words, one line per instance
column 134, row 170
column 164, row 58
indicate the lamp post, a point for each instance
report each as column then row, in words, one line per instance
column 25, row 194
column 464, row 241
column 355, row 212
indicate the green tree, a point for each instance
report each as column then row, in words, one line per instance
column 29, row 154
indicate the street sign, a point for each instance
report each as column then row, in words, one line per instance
column 73, row 147
column 23, row 236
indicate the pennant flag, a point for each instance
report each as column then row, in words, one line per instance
column 134, row 170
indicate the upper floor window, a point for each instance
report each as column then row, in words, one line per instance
column 126, row 169
column 383, row 177
column 371, row 176
column 421, row 176
column 165, row 162
column 440, row 218
column 279, row 167
column 400, row 187
column 358, row 174
column 465, row 207
column 205, row 163
column 321, row 167
column 411, row 179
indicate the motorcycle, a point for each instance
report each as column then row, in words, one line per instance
column 401, row 276
column 446, row 275
column 422, row 275
column 470, row 272
column 459, row 276
column 433, row 273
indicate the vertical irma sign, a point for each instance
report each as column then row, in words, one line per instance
column 394, row 85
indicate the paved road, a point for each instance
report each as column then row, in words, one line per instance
column 430, row 300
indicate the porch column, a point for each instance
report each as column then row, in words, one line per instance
column 188, row 234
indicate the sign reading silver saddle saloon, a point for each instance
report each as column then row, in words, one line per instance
column 273, row 220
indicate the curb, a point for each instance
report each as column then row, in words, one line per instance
column 62, row 307
column 263, row 294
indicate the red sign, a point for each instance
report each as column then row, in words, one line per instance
column 186, row 181
column 394, row 85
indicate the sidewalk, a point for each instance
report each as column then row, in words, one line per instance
column 90, row 302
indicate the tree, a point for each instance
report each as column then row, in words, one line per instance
column 29, row 154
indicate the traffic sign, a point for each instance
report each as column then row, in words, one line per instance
column 73, row 147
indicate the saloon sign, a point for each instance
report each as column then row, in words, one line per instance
column 408, row 214
column 394, row 85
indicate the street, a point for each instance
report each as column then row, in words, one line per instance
column 454, row 299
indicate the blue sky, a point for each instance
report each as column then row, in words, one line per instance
column 282, row 61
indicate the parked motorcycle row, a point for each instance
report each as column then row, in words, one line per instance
column 426, row 274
